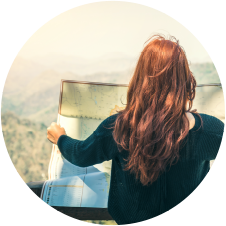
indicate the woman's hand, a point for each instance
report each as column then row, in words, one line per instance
column 54, row 132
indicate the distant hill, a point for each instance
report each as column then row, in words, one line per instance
column 205, row 73
column 39, row 99
column 36, row 97
column 21, row 73
column 30, row 103
column 107, row 63
column 27, row 146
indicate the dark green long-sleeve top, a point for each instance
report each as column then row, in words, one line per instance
column 129, row 201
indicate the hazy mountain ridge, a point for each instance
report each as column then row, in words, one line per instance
column 107, row 63
column 205, row 73
column 42, row 93
column 24, row 72
column 32, row 94
column 20, row 74
column 27, row 146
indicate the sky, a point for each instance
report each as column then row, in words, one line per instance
column 97, row 29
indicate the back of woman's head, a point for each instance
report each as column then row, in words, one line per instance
column 153, row 124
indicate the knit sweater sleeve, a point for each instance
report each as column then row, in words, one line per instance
column 97, row 148
column 212, row 134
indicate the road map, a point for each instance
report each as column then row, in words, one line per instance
column 82, row 107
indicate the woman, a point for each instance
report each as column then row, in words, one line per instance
column 160, row 149
column 157, row 98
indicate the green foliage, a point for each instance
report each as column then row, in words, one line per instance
column 27, row 146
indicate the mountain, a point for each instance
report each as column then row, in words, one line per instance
column 32, row 92
column 38, row 100
column 111, row 62
column 29, row 93
column 27, row 146
column 20, row 74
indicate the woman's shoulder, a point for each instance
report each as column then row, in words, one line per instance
column 106, row 126
column 211, row 123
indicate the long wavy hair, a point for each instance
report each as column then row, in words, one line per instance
column 153, row 124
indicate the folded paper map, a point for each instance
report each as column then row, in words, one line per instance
column 83, row 106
